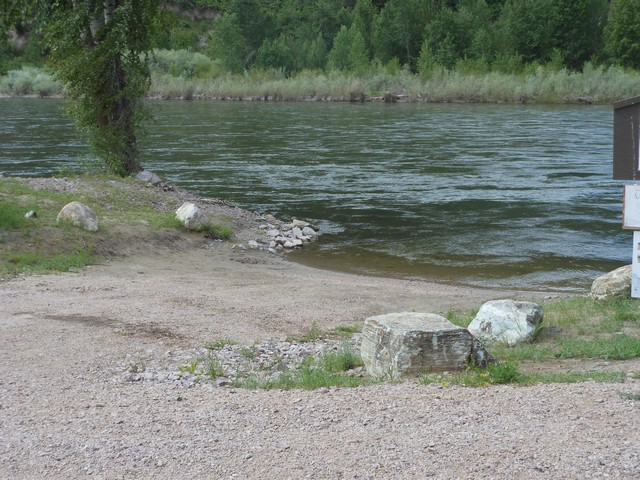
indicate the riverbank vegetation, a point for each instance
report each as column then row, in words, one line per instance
column 511, row 51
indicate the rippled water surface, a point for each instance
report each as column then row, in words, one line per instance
column 494, row 195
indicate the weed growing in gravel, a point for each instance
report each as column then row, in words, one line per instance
column 137, row 366
column 191, row 368
column 248, row 353
column 341, row 361
column 346, row 331
column 219, row 344
column 310, row 335
column 213, row 368
column 327, row 371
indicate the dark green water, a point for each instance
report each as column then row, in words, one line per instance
column 494, row 195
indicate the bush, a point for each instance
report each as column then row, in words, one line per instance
column 29, row 81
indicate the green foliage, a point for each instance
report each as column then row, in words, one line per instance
column 622, row 35
column 99, row 52
column 279, row 53
column 527, row 29
column 228, row 44
column 349, row 51
column 398, row 31
column 11, row 215
column 185, row 64
column 574, row 26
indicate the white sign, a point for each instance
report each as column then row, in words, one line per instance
column 635, row 266
column 631, row 207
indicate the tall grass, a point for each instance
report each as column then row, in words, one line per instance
column 187, row 75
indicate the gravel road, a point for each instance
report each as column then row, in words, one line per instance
column 66, row 410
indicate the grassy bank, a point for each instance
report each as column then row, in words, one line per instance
column 131, row 216
column 186, row 75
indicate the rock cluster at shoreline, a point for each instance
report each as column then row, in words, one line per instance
column 281, row 237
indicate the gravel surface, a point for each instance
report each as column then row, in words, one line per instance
column 89, row 384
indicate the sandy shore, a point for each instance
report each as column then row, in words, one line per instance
column 65, row 412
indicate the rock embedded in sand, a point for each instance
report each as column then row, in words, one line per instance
column 79, row 215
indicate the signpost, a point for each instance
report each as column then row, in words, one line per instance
column 626, row 166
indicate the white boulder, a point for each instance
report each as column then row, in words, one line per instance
column 79, row 215
column 506, row 321
column 191, row 217
column 616, row 283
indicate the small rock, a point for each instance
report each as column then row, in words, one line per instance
column 31, row 214
column 148, row 176
column 296, row 233
column 253, row 244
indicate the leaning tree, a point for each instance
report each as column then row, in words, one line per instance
column 99, row 49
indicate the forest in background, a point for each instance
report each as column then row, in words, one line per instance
column 434, row 50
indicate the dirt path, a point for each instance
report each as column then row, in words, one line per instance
column 65, row 412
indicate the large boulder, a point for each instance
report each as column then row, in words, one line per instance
column 191, row 217
column 506, row 321
column 409, row 343
column 613, row 284
column 79, row 215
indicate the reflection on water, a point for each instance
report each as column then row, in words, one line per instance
column 514, row 196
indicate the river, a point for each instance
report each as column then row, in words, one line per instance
column 494, row 195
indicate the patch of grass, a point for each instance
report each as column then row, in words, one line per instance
column 618, row 347
column 459, row 318
column 585, row 315
column 219, row 232
column 219, row 343
column 341, row 361
column 33, row 262
column 345, row 331
column 11, row 215
column 213, row 368
column 508, row 373
column 137, row 366
column 312, row 334
column 248, row 353
column 326, row 371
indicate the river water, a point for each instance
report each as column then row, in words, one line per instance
column 491, row 195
